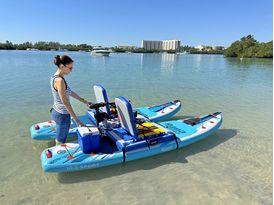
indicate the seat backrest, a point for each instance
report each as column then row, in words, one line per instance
column 101, row 96
column 126, row 116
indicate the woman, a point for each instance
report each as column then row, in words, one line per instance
column 62, row 109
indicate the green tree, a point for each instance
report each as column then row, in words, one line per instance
column 24, row 46
column 248, row 47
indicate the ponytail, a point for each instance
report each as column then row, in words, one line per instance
column 62, row 60
column 57, row 60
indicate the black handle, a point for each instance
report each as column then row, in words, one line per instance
column 101, row 104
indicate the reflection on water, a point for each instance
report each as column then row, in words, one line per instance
column 168, row 63
column 163, row 62
column 197, row 62
column 97, row 59
column 248, row 62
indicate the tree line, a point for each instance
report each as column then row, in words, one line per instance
column 51, row 45
column 248, row 47
column 42, row 45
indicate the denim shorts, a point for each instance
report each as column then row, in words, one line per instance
column 62, row 125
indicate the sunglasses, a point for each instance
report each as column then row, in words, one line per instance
column 68, row 67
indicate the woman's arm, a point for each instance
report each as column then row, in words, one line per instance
column 61, row 88
column 77, row 97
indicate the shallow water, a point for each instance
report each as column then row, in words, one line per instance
column 233, row 166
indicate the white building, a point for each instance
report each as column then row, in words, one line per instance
column 161, row 45
column 218, row 47
column 200, row 47
column 208, row 48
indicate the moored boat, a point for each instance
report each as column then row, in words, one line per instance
column 135, row 139
column 100, row 51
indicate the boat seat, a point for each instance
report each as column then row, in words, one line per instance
column 131, row 136
column 101, row 96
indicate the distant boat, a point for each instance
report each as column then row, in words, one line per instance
column 32, row 49
column 241, row 58
column 60, row 49
column 183, row 53
column 100, row 51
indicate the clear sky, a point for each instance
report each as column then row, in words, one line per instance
column 128, row 22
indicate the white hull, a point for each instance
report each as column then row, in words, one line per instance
column 100, row 53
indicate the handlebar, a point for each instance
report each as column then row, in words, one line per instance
column 101, row 104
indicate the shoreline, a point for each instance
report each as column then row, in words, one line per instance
column 178, row 53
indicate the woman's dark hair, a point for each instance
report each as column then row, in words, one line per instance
column 62, row 60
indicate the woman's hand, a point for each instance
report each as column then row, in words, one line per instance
column 89, row 104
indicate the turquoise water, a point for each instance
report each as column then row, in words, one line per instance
column 233, row 166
